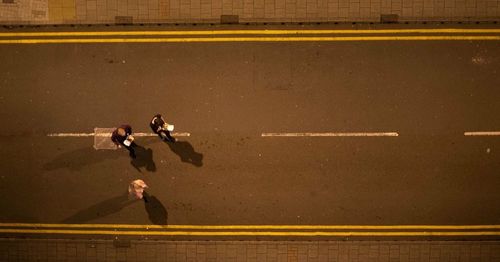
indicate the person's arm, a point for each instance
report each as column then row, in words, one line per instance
column 114, row 139
column 164, row 123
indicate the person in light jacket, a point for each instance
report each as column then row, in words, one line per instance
column 136, row 189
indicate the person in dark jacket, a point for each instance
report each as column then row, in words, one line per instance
column 122, row 136
column 161, row 128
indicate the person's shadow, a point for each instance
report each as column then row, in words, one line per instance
column 186, row 152
column 157, row 212
column 144, row 158
column 77, row 159
column 101, row 209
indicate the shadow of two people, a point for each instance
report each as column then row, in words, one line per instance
column 183, row 149
column 77, row 159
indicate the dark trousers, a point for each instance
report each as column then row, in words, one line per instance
column 130, row 149
column 165, row 135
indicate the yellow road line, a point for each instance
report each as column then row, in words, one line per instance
column 252, row 227
column 245, row 233
column 248, row 39
column 253, row 32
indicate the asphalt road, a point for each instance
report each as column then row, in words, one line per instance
column 226, row 95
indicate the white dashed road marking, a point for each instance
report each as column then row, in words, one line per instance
column 483, row 133
column 329, row 134
column 109, row 134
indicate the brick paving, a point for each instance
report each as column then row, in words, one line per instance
column 147, row 250
column 210, row 11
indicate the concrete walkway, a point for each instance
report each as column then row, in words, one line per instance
column 195, row 11
column 144, row 250
column 242, row 11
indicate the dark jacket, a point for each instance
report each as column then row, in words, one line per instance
column 117, row 139
column 157, row 123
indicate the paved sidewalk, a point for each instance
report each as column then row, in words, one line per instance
column 109, row 250
column 210, row 11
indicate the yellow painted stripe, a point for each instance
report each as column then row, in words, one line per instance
column 247, row 39
column 244, row 233
column 253, row 32
column 253, row 227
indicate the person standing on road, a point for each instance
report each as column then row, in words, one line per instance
column 136, row 189
column 122, row 136
column 162, row 128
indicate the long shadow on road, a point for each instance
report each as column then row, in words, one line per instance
column 186, row 152
column 157, row 212
column 101, row 209
column 144, row 158
column 77, row 159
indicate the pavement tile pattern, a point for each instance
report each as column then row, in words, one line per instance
column 211, row 11
column 102, row 138
column 15, row 249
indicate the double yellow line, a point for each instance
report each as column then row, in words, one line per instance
column 179, row 36
column 253, row 230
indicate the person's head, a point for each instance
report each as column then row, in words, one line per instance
column 121, row 131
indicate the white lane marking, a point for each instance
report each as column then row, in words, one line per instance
column 153, row 134
column 483, row 133
column 330, row 134
column 109, row 134
column 71, row 134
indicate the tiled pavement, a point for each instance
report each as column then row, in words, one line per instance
column 210, row 11
column 262, row 251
